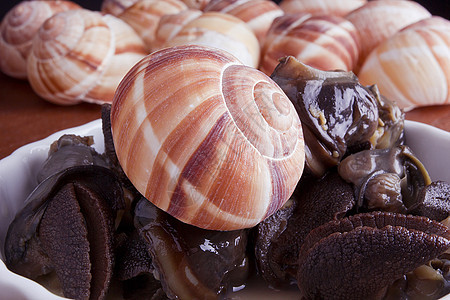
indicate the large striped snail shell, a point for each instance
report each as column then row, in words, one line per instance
column 378, row 20
column 18, row 28
column 214, row 143
column 81, row 55
column 320, row 7
column 222, row 31
column 144, row 17
column 413, row 66
column 258, row 14
column 325, row 42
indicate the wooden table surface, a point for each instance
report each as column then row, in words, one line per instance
column 25, row 118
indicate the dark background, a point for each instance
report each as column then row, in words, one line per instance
column 6, row 5
column 436, row 7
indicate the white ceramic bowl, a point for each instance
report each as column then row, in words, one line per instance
column 18, row 173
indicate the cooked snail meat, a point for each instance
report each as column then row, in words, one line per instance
column 358, row 257
column 337, row 113
column 433, row 201
column 279, row 238
column 191, row 262
column 135, row 269
column 66, row 227
column 388, row 179
column 68, row 151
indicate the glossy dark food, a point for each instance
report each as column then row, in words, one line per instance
column 67, row 227
column 433, row 201
column 359, row 256
column 385, row 179
column 192, row 263
column 339, row 116
column 279, row 238
column 68, row 151
column 135, row 270
column 429, row 281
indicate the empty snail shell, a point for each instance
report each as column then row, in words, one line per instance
column 144, row 16
column 196, row 4
column 413, row 66
column 18, row 28
column 258, row 14
column 280, row 26
column 331, row 7
column 324, row 42
column 222, row 31
column 116, row 7
column 378, row 20
column 170, row 25
column 214, row 143
column 81, row 55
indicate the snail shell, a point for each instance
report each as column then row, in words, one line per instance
column 329, row 7
column 222, row 31
column 145, row 15
column 18, row 28
column 170, row 25
column 196, row 4
column 413, row 66
column 324, row 42
column 378, row 20
column 81, row 55
column 258, row 14
column 116, row 7
column 221, row 149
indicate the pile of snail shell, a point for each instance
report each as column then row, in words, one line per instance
column 67, row 53
column 374, row 39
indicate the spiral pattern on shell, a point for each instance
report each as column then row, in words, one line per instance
column 213, row 142
column 18, row 28
column 324, row 42
column 412, row 67
column 81, row 55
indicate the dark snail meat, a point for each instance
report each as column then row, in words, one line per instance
column 385, row 179
column 67, row 227
column 191, row 262
column 358, row 257
column 68, row 151
column 279, row 238
column 339, row 116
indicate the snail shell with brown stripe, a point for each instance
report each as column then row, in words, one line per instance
column 257, row 14
column 81, row 55
column 321, row 7
column 145, row 15
column 116, row 7
column 212, row 142
column 214, row 29
column 18, row 28
column 325, row 42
